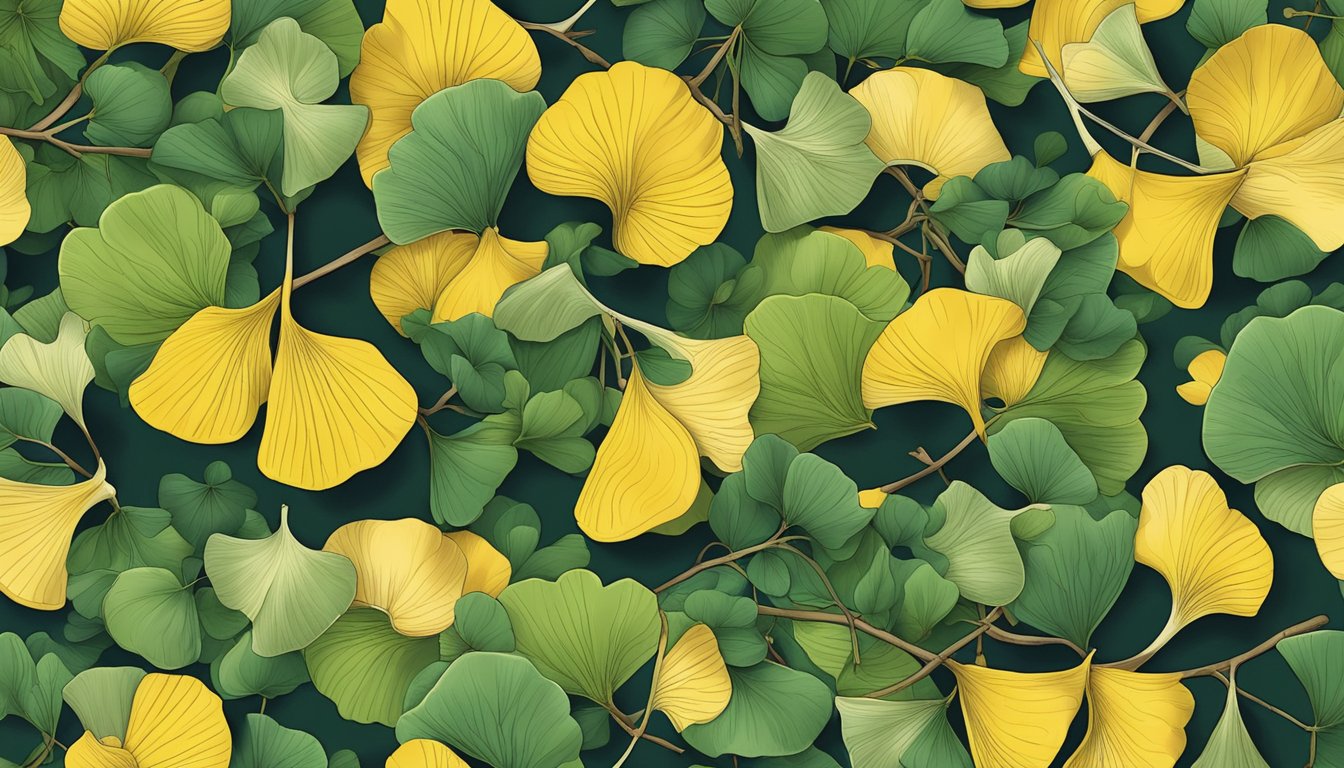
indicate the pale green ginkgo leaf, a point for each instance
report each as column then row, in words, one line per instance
column 1018, row 276
column 882, row 734
column 291, row 593
column 1115, row 63
column 59, row 369
column 817, row 165
column 292, row 71
column 977, row 540
column 101, row 697
column 1314, row 659
column 148, row 611
column 1230, row 744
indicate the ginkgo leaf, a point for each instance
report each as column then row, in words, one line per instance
column 1018, row 719
column 37, row 523
column 977, row 540
column 1012, row 370
column 1166, row 238
column 1327, row 528
column 1113, row 62
column 175, row 720
column 423, row 753
column 187, row 25
column 1133, row 718
column 877, row 253
column 656, row 163
column 1057, row 23
column 929, row 120
column 1230, row 744
column 14, row 207
column 294, row 72
column 413, row 276
column 488, row 570
column 405, row 568
column 365, row 666
column 337, row 407
column 496, row 264
column 1213, row 558
column 222, row 358
column 692, row 684
column 59, row 369
column 102, row 698
column 424, row 46
column 938, row 349
column 291, row 593
column 1018, row 276
column 1204, row 370
column 818, row 165
column 879, row 733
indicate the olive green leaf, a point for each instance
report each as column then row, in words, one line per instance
column 155, row 259
column 945, row 31
column 662, row 33
column 812, row 352
column 546, row 306
column 467, row 468
column 35, row 57
column 483, row 623
column 703, row 301
column 218, row 504
column 365, row 666
column 1216, row 23
column 776, row 34
column 264, row 743
column 62, row 188
column 26, row 416
column 818, row 165
column 240, row 672
column 1270, row 248
column 818, row 497
column 453, row 171
column 976, row 538
column 1032, row 455
column 291, row 593
column 101, row 697
column 499, row 709
column 292, row 71
column 131, row 105
column 1230, row 744
column 866, row 29
column 892, row 734
column 241, row 147
column 774, row 710
column 587, row 637
column 1314, row 659
column 30, row 685
column 928, row 598
column 1018, row 276
column 1005, row 84
column 136, row 537
column 1275, row 418
column 334, row 22
column 149, row 612
column 804, row 260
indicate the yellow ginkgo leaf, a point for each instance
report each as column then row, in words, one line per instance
column 1213, row 558
column 692, row 685
column 634, row 138
column 937, row 350
column 929, row 120
column 1299, row 181
column 488, row 570
column 405, row 568
column 337, row 407
column 1205, row 371
column 37, row 523
column 1134, row 719
column 1018, row 719
column 877, row 253
column 413, row 276
column 872, row 498
column 14, row 208
column 1327, row 528
column 1166, row 237
column 222, row 357
column 187, row 25
column 496, row 264
column 423, row 753
column 1240, row 102
column 1057, row 23
column 175, row 721
column 424, row 46
column 647, row 470
column 1011, row 371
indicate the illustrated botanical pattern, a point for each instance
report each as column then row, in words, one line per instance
column 763, row 383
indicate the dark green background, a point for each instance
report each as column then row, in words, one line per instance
column 340, row 215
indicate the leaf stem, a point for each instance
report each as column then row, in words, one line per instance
column 936, row 465
column 773, row 541
column 1265, row 704
column 72, row 149
column 569, row 37
column 1005, row 636
column 653, row 691
column 441, row 403
column 1302, row 627
column 62, row 455
column 938, row 660
column 859, row 624
column 345, row 259
column 724, row 49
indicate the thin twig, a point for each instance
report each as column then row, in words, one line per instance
column 571, row 38
column 1004, row 636
column 439, row 404
column 938, row 660
column 69, row 462
column 341, row 261
column 1314, row 623
column 859, row 624
column 835, row 597
column 72, row 149
column 937, row 464
column 1265, row 704
column 773, row 541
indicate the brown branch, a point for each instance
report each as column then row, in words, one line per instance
column 724, row 48
column 341, row 261
column 627, row 724
column 74, row 149
column 571, row 38
column 859, row 624
column 938, row 660
column 1004, row 636
column 936, row 465
column 773, row 541
column 1314, row 623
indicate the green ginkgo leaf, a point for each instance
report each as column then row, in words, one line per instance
column 774, row 710
column 291, row 593
column 240, row 672
column 1018, row 276
column 1230, row 744
column 454, row 169
column 887, row 734
column 334, row 22
column 131, row 105
column 804, row 260
column 467, row 468
column 662, row 33
column 294, row 72
column 149, row 612
column 1314, row 659
column 977, row 539
column 242, row 147
column 945, row 31
column 264, row 743
column 866, row 29
column 780, row 27
column 101, row 697
column 1032, row 456
column 587, row 637
column 818, row 165
column 499, row 709
column 365, row 666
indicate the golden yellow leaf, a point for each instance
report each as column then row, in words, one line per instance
column 405, row 568
column 1205, row 371
column 1018, row 719
column 1327, row 528
column 655, row 162
column 1241, row 102
column 37, row 523
column 1057, row 23
column 872, row 498
column 693, row 684
column 1213, row 558
column 937, row 350
column 210, row 376
column 424, row 46
column 187, row 25
column 337, row 407
column 413, row 276
column 1299, row 181
column 423, row 753
column 929, row 120
column 488, row 571
column 1011, row 371
column 14, row 208
column 496, row 264
column 176, row 722
column 1166, row 238
column 1133, row 719
column 647, row 470
column 877, row 253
